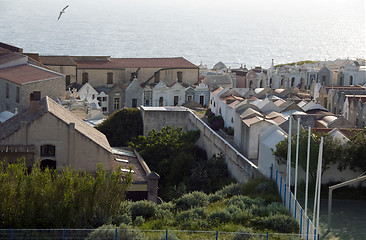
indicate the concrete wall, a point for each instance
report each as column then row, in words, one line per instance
column 239, row 167
column 66, row 70
column 72, row 148
column 98, row 77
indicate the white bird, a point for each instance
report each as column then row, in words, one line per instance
column 63, row 11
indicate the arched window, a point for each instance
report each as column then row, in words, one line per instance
column 48, row 151
column 270, row 83
column 250, row 84
column 220, row 111
column 260, row 83
column 351, row 80
column 281, row 83
column 292, row 81
column 232, row 120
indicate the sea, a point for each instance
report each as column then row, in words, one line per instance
column 235, row 32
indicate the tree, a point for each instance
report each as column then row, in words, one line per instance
column 355, row 152
column 121, row 126
column 332, row 151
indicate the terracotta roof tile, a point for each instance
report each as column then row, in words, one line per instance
column 26, row 73
column 178, row 62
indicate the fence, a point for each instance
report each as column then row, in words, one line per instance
column 123, row 234
column 307, row 229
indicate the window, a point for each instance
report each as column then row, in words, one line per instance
column 116, row 104
column 157, row 77
column 292, row 81
column 176, row 100
column 351, row 80
column 104, row 99
column 104, row 109
column 232, row 120
column 260, row 83
column 220, row 111
column 134, row 102
column 37, row 95
column 270, row 82
column 99, row 98
column 202, row 100
column 180, row 76
column 161, row 101
column 85, row 77
column 251, row 84
column 48, row 151
column 7, row 90
column 190, row 98
column 67, row 80
column 323, row 80
column 147, row 102
column 17, row 93
column 109, row 78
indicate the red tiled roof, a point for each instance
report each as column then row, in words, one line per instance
column 178, row 62
column 26, row 73
column 10, row 57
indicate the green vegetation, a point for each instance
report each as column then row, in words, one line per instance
column 254, row 206
column 121, row 126
column 214, row 122
column 182, row 166
column 66, row 199
column 297, row 63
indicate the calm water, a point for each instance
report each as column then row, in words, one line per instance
column 234, row 32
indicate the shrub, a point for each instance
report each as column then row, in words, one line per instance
column 123, row 218
column 230, row 190
column 108, row 232
column 191, row 200
column 244, row 202
column 144, row 208
column 229, row 131
column 139, row 220
column 214, row 198
column 191, row 215
column 278, row 223
column 219, row 217
column 171, row 236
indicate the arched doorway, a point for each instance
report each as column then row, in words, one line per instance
column 48, row 163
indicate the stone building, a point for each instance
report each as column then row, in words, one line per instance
column 18, row 79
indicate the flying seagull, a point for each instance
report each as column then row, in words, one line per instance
column 63, row 11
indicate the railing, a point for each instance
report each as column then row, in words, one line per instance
column 119, row 234
column 307, row 228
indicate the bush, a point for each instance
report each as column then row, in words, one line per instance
column 139, row 220
column 171, row 236
column 191, row 200
column 123, row 218
column 108, row 232
column 244, row 202
column 243, row 234
column 278, row 223
column 230, row 190
column 229, row 131
column 214, row 198
column 219, row 217
column 145, row 209
column 191, row 215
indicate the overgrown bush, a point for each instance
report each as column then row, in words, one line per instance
column 243, row 234
column 219, row 217
column 139, row 220
column 229, row 131
column 145, row 209
column 230, row 190
column 191, row 215
column 191, row 200
column 278, row 223
column 59, row 199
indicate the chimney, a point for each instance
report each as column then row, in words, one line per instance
column 33, row 104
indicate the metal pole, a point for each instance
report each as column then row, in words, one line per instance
column 217, row 235
column 295, row 208
column 64, row 234
column 297, row 153
column 301, row 222
column 11, row 234
column 329, row 207
column 289, row 154
column 271, row 170
column 116, row 234
column 320, row 181
column 276, row 177
column 281, row 186
column 307, row 173
column 166, row 234
column 307, row 231
column 284, row 195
